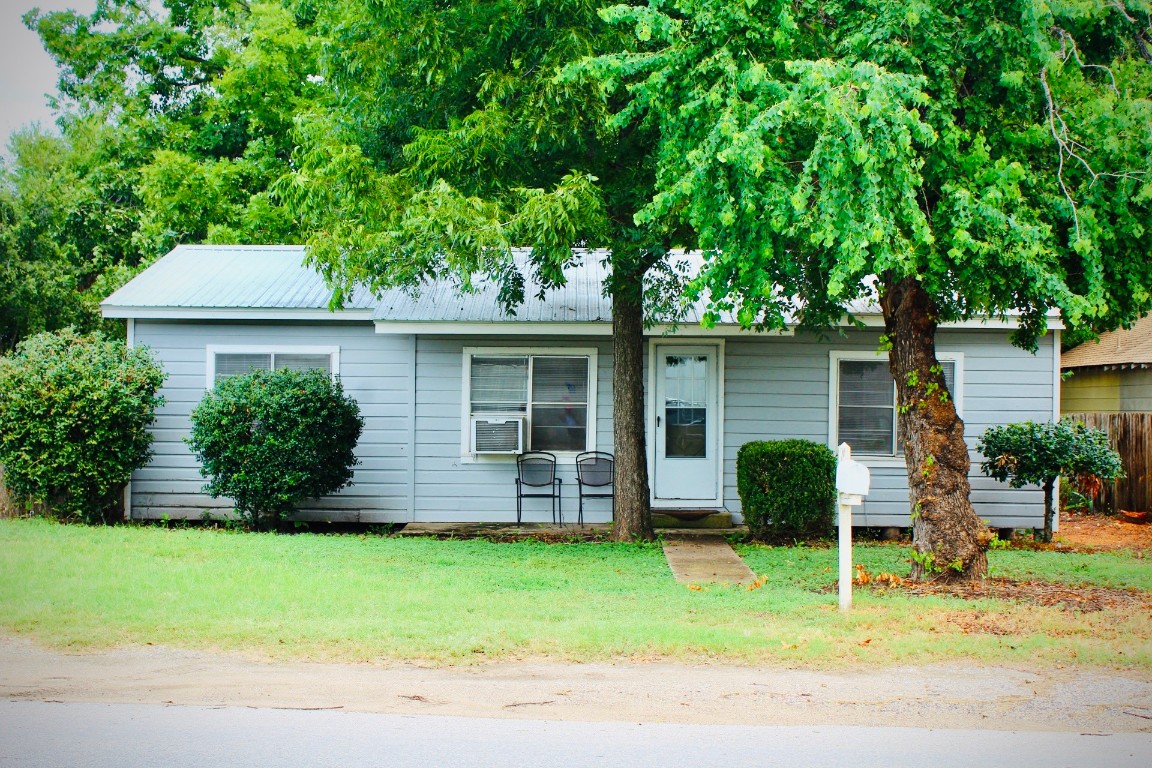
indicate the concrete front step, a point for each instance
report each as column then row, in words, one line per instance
column 691, row 518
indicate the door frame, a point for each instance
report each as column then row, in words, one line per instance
column 650, row 419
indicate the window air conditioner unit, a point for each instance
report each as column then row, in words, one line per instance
column 498, row 434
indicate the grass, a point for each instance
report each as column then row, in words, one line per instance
column 371, row 598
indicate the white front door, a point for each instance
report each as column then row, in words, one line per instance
column 686, row 425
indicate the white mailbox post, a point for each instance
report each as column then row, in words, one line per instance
column 852, row 483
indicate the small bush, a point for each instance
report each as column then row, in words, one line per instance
column 787, row 488
column 271, row 439
column 1028, row 453
column 74, row 418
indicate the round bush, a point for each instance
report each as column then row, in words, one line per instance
column 787, row 489
column 270, row 439
column 74, row 418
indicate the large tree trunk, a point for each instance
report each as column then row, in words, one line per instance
column 949, row 541
column 633, row 512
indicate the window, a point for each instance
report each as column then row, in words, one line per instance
column 554, row 391
column 231, row 361
column 863, row 412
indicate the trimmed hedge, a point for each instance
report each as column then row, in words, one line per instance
column 271, row 439
column 787, row 489
column 74, row 418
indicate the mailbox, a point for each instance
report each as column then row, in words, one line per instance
column 852, row 478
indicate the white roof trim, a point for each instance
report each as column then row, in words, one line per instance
column 231, row 313
column 528, row 328
column 988, row 324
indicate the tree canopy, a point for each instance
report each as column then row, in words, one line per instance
column 998, row 152
column 175, row 119
column 945, row 161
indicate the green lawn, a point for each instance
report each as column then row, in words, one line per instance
column 370, row 598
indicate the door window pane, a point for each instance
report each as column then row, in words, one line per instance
column 685, row 406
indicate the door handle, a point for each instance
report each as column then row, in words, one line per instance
column 657, row 421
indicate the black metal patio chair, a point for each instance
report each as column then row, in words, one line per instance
column 536, row 479
column 595, row 472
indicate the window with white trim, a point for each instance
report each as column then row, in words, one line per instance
column 224, row 361
column 864, row 401
column 553, row 390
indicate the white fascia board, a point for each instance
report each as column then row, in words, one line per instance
column 514, row 328
column 202, row 313
column 976, row 323
column 510, row 328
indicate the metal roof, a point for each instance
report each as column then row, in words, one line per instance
column 579, row 300
column 230, row 277
column 273, row 282
column 1122, row 347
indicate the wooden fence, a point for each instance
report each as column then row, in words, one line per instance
column 1131, row 436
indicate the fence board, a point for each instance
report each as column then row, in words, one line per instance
column 1131, row 435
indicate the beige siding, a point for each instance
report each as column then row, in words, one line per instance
column 1091, row 392
column 1136, row 390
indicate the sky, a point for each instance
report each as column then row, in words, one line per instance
column 27, row 73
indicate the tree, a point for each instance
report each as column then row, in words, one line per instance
column 175, row 119
column 1028, row 453
column 271, row 439
column 945, row 161
column 74, row 418
column 448, row 140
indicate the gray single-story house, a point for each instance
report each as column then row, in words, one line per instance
column 451, row 388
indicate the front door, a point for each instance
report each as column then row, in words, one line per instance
column 686, row 426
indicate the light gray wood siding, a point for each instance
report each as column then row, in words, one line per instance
column 452, row 486
column 776, row 388
column 411, row 394
column 376, row 370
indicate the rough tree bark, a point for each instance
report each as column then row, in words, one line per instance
column 949, row 541
column 633, row 513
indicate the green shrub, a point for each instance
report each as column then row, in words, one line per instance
column 270, row 439
column 74, row 418
column 787, row 488
column 1028, row 453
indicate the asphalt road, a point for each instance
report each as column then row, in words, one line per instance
column 80, row 735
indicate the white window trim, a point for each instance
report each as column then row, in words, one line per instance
column 567, row 457
column 265, row 349
column 834, row 358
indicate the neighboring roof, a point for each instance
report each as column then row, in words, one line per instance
column 1115, row 349
column 222, row 280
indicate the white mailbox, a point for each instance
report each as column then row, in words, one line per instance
column 852, row 483
column 852, row 478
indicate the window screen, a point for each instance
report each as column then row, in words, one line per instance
column 867, row 418
column 559, row 414
column 295, row 362
column 238, row 363
column 235, row 364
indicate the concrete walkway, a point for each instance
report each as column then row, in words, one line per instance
column 706, row 559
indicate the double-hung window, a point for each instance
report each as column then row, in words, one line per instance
column 553, row 391
column 863, row 412
column 224, row 361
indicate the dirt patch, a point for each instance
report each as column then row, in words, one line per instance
column 1070, row 597
column 1086, row 533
